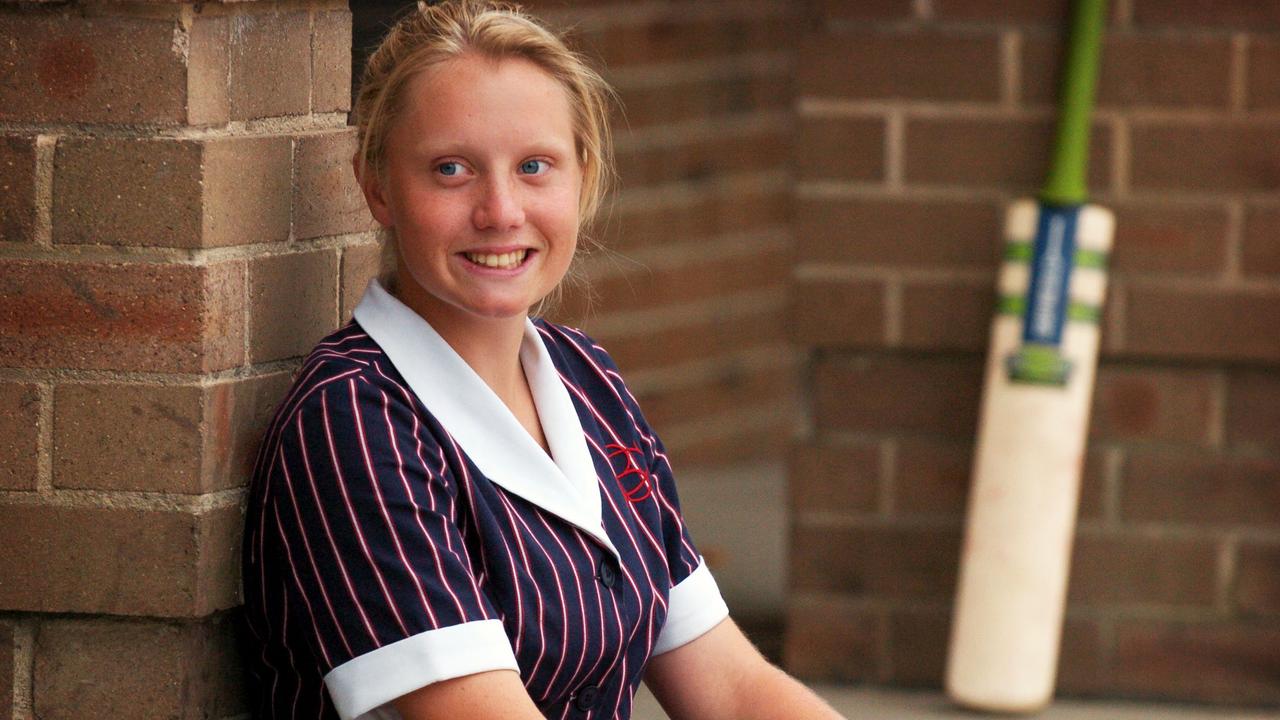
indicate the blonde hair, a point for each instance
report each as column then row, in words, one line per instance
column 431, row 34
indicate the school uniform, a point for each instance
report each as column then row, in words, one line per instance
column 404, row 528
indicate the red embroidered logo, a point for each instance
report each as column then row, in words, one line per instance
column 642, row 489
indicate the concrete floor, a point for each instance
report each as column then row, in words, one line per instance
column 859, row 703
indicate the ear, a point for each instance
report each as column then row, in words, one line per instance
column 373, row 194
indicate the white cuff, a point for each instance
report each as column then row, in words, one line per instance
column 695, row 606
column 368, row 681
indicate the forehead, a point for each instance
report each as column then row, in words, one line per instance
column 474, row 99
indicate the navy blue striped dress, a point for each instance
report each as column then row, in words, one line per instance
column 403, row 528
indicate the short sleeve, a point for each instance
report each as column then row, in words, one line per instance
column 365, row 525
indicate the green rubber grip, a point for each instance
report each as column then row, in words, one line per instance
column 1068, row 169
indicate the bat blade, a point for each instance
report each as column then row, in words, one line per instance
column 1026, row 476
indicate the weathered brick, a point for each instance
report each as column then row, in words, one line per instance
column 947, row 315
column 19, row 436
column 1219, row 156
column 7, row 647
column 326, row 198
column 830, row 640
column 884, row 562
column 899, row 233
column 1253, row 408
column 714, row 211
column 702, row 159
column 17, row 188
column 684, row 343
column 1127, row 569
column 131, row 316
column 293, row 301
column 677, row 37
column 702, row 99
column 208, row 70
column 176, row 439
column 932, row 477
column 713, row 445
column 1170, row 238
column 1176, row 322
column 841, row 149
column 831, row 478
column 1264, row 66
column 1261, row 252
column 360, row 264
column 719, row 393
column 1145, row 404
column 171, row 193
column 1143, row 70
column 840, row 312
column 1257, row 586
column 1053, row 12
column 915, row 65
column 118, row 561
column 270, row 71
column 1233, row 663
column 1240, row 14
column 331, row 62
column 135, row 669
column 918, row 646
column 1012, row 153
column 932, row 395
column 1203, row 489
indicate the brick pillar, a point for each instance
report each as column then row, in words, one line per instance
column 177, row 226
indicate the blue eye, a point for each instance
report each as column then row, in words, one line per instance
column 531, row 167
column 449, row 168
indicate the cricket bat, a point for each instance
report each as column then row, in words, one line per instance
column 1011, row 594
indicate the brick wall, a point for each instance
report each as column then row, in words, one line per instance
column 917, row 121
column 178, row 226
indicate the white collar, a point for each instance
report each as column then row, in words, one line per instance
column 487, row 431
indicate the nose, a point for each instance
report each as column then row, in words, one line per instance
column 499, row 206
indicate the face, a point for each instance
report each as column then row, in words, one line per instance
column 481, row 186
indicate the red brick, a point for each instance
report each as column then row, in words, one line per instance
column 19, row 436
column 1202, row 489
column 7, row 646
column 702, row 159
column 1253, row 408
column 861, row 10
column 1202, row 323
column 1053, row 12
column 136, row 316
column 826, row 477
column 932, row 395
column 1264, row 66
column 734, row 387
column 360, row 264
column 700, row 99
column 899, row 233
column 1217, row 156
column 17, row 188
column 711, row 211
column 1261, row 252
column 176, row 439
column 674, row 345
column 1200, row 14
column 841, row 149
column 970, row 152
column 885, row 562
column 677, row 38
column 80, row 68
column 1133, row 570
column 715, row 446
column 829, row 640
column 293, row 301
column 1082, row 664
column 135, row 669
column 1169, row 238
column 954, row 315
column 914, row 65
column 1233, row 663
column 1143, row 70
column 270, row 64
column 171, row 193
column 326, row 198
column 1257, row 586
column 918, row 647
column 1093, row 485
column 208, row 70
column 1151, row 404
column 331, row 62
column 117, row 561
column 932, row 477
column 840, row 312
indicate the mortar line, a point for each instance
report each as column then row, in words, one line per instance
column 1234, row 268
column 1228, row 553
column 1238, row 75
column 1111, row 487
column 893, row 309
column 888, row 470
column 44, row 439
column 895, row 140
column 1217, row 430
column 46, row 145
column 1011, row 68
column 1121, row 156
column 923, row 9
column 24, row 661
column 1123, row 13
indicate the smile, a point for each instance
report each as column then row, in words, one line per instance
column 505, row 261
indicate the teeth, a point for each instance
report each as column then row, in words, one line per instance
column 505, row 261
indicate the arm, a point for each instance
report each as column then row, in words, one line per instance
column 494, row 695
column 721, row 676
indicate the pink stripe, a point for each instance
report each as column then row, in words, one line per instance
column 293, row 570
column 524, row 557
column 564, row 606
column 582, row 605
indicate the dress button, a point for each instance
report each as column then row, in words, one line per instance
column 607, row 576
column 586, row 698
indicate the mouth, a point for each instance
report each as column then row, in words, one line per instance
column 498, row 261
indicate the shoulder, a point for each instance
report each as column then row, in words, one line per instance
column 572, row 348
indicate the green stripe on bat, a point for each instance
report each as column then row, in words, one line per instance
column 1021, row 252
column 1076, row 311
